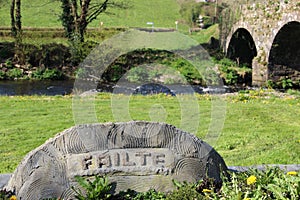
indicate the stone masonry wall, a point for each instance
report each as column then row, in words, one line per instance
column 263, row 21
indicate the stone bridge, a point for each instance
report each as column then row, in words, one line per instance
column 266, row 35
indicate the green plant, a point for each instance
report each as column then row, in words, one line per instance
column 52, row 74
column 286, row 83
column 2, row 75
column 185, row 191
column 81, row 73
column 293, row 92
column 14, row 73
column 150, row 195
column 99, row 188
column 275, row 183
column 137, row 74
column 7, row 195
column 270, row 84
column 48, row 74
column 37, row 74
column 9, row 64
column 271, row 183
column 232, row 72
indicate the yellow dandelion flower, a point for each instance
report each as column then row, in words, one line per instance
column 292, row 173
column 13, row 197
column 251, row 180
column 247, row 199
column 206, row 190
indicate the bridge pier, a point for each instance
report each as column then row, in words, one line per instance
column 259, row 72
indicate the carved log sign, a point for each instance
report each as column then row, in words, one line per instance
column 135, row 155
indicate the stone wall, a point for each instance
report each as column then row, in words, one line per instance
column 263, row 21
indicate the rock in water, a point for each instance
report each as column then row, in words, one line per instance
column 135, row 155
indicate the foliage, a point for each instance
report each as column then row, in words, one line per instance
column 49, row 74
column 191, row 10
column 52, row 74
column 152, row 65
column 184, row 191
column 136, row 75
column 14, row 73
column 286, row 83
column 270, row 183
column 99, row 188
column 293, row 92
column 2, row 75
column 204, row 36
column 7, row 195
column 150, row 195
column 232, row 73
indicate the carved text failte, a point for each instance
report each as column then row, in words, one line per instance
column 122, row 159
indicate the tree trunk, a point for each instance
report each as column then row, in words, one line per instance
column 18, row 16
column 77, row 14
column 67, row 17
column 15, row 16
column 12, row 18
column 82, row 21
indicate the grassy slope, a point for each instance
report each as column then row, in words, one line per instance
column 255, row 132
column 39, row 13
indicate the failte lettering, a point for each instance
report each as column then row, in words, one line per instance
column 123, row 159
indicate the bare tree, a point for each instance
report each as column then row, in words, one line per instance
column 16, row 30
column 77, row 14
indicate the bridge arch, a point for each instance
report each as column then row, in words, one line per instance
column 284, row 55
column 241, row 47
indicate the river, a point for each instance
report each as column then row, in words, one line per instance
column 52, row 88
column 26, row 87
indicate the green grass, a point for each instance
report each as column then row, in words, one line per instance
column 45, row 13
column 256, row 130
column 204, row 35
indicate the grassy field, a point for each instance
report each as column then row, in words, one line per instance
column 257, row 130
column 45, row 13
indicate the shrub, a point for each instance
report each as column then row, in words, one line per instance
column 272, row 183
column 14, row 73
column 97, row 189
column 52, row 74
column 232, row 73
column 80, row 50
column 150, row 195
column 37, row 74
column 47, row 74
column 7, row 195
column 2, row 75
column 185, row 191
column 286, row 83
column 9, row 64
column 6, row 50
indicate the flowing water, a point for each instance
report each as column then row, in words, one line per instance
column 51, row 88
